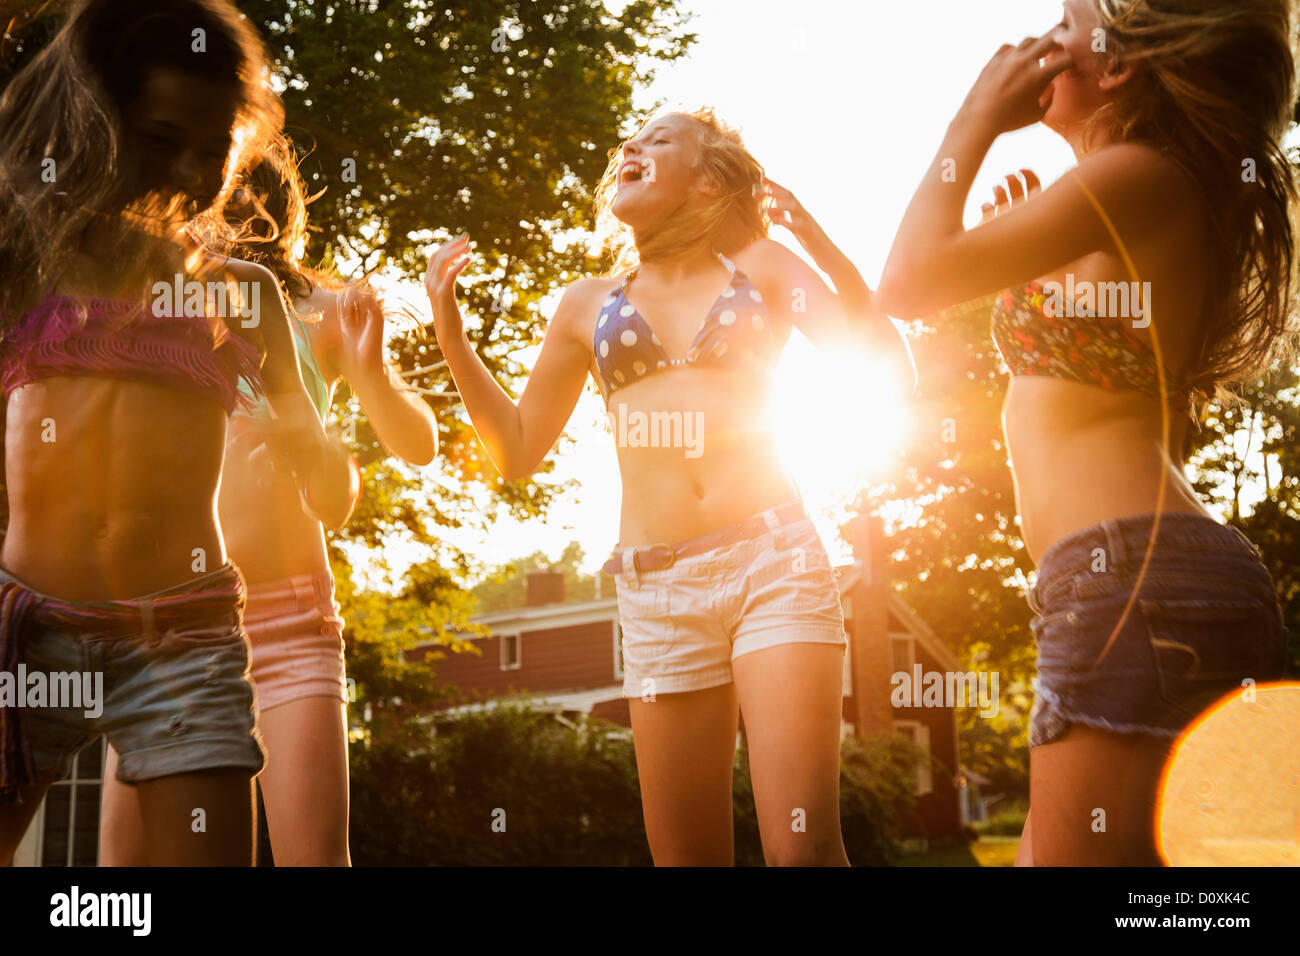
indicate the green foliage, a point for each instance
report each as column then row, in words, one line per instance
column 1009, row 820
column 570, row 793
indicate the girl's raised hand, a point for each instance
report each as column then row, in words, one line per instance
column 1013, row 194
column 361, row 329
column 1015, row 88
column 440, row 283
column 785, row 210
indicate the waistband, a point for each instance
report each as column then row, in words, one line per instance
column 196, row 600
column 630, row 560
column 1125, row 542
column 313, row 589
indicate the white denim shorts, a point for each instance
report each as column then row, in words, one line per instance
column 684, row 625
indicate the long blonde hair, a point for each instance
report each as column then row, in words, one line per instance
column 1214, row 89
column 732, row 219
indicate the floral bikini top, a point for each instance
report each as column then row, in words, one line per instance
column 736, row 333
column 1081, row 347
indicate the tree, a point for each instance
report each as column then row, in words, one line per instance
column 506, row 587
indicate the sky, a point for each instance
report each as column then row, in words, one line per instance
column 846, row 105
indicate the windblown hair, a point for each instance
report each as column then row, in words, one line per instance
column 1214, row 89
column 278, row 196
column 69, row 106
column 731, row 220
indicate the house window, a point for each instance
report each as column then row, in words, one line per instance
column 618, row 649
column 510, row 658
column 919, row 734
column 902, row 654
column 70, row 831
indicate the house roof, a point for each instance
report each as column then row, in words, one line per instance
column 549, row 616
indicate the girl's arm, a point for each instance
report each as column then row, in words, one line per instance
column 328, row 478
column 824, row 316
column 517, row 436
column 935, row 263
column 403, row 421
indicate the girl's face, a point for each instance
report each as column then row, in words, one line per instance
column 180, row 129
column 1076, row 92
column 657, row 172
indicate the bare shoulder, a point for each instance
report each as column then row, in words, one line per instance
column 1139, row 171
column 580, row 305
column 764, row 257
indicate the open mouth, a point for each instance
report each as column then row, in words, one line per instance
column 630, row 173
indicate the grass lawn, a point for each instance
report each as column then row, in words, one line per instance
column 986, row 851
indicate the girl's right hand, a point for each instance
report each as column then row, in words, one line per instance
column 440, row 284
column 1015, row 88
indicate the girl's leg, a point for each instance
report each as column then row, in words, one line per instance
column 791, row 696
column 1025, row 851
column 198, row 819
column 1093, row 794
column 15, row 818
column 121, row 822
column 685, row 750
column 305, row 782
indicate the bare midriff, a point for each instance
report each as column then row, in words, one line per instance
column 112, row 487
column 1081, row 455
column 729, row 470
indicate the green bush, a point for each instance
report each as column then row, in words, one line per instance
column 567, row 794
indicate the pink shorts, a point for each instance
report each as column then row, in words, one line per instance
column 296, row 636
column 684, row 625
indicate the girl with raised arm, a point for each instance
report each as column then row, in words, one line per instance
column 726, row 596
column 1150, row 278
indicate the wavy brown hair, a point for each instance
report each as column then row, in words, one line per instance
column 731, row 220
column 69, row 105
column 275, row 190
column 1214, row 90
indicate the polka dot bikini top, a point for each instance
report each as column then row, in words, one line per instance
column 736, row 333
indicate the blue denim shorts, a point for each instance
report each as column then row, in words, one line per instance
column 1200, row 618
column 684, row 625
column 170, row 701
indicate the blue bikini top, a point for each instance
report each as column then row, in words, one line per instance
column 737, row 332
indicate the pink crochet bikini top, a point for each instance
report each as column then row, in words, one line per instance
column 115, row 338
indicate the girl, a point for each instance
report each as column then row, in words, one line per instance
column 739, row 608
column 117, row 400
column 1147, row 607
column 293, row 626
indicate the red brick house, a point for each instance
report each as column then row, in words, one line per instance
column 568, row 657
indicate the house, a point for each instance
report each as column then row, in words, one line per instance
column 568, row 658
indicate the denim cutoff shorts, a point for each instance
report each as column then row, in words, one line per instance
column 684, row 625
column 1200, row 619
column 170, row 700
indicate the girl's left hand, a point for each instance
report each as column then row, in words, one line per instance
column 361, row 330
column 785, row 210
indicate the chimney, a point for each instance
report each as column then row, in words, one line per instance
column 545, row 586
column 869, row 628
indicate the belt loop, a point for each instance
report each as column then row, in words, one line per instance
column 773, row 522
column 1116, row 554
column 629, row 567
column 147, row 623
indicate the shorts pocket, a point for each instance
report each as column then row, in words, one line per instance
column 1205, row 648
column 645, row 618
